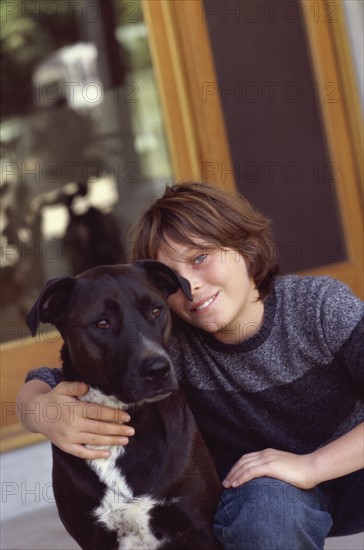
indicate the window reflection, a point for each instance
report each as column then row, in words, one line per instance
column 82, row 141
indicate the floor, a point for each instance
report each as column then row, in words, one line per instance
column 36, row 531
column 29, row 519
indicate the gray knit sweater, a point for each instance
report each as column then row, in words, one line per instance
column 296, row 385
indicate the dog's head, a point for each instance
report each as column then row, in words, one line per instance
column 115, row 323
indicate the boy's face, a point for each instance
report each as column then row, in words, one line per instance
column 225, row 300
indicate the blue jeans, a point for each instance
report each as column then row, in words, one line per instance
column 267, row 514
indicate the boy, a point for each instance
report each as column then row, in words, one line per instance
column 272, row 368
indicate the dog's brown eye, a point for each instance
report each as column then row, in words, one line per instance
column 156, row 311
column 103, row 324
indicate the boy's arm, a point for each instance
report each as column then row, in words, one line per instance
column 69, row 423
column 338, row 458
column 28, row 406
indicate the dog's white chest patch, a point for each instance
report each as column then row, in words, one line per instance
column 119, row 509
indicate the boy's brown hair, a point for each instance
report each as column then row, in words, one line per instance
column 194, row 210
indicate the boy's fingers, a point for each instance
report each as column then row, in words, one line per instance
column 83, row 452
column 93, row 411
column 86, row 452
column 104, row 428
column 99, row 440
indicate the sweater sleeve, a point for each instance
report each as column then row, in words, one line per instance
column 342, row 315
column 351, row 355
column 52, row 377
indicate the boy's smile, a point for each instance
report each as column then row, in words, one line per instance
column 202, row 305
column 225, row 300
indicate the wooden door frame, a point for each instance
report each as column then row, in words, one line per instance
column 186, row 76
column 199, row 147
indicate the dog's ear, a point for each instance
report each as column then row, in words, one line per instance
column 51, row 303
column 164, row 278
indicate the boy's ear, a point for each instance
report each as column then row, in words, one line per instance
column 164, row 278
column 51, row 303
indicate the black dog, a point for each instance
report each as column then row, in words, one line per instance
column 161, row 490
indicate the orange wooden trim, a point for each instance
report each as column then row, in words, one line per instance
column 188, row 87
column 167, row 64
column 17, row 358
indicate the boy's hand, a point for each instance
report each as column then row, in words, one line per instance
column 288, row 467
column 340, row 457
column 71, row 424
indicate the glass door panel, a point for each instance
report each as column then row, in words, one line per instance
column 83, row 146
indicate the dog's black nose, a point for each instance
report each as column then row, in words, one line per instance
column 156, row 369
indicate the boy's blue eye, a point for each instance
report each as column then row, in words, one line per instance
column 200, row 259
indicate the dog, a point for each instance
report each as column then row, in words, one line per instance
column 161, row 490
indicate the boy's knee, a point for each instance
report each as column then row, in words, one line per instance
column 266, row 513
